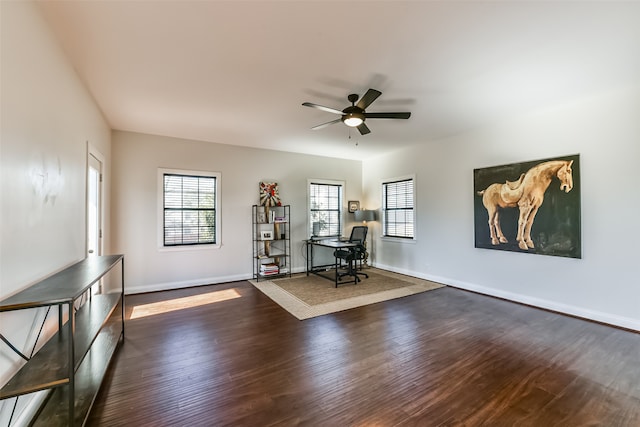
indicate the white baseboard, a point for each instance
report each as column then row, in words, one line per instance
column 167, row 286
column 299, row 270
column 598, row 316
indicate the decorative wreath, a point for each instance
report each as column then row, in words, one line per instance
column 269, row 194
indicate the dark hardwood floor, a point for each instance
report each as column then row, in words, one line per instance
column 442, row 358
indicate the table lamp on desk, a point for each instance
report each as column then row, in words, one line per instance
column 364, row 216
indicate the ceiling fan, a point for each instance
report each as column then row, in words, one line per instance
column 355, row 115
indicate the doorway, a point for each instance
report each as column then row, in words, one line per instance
column 94, row 204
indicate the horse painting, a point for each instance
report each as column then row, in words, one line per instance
column 527, row 193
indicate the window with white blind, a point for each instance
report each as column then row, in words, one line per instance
column 398, row 204
column 189, row 208
column 325, row 208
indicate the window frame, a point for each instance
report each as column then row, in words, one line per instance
column 383, row 183
column 161, row 210
column 341, row 205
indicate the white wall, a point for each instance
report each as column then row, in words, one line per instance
column 136, row 159
column 47, row 119
column 603, row 285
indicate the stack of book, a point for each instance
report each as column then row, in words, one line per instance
column 269, row 269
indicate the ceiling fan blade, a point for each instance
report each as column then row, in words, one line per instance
column 323, row 108
column 327, row 124
column 368, row 98
column 387, row 115
column 363, row 129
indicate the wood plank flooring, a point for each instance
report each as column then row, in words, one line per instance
column 442, row 358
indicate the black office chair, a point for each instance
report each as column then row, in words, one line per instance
column 353, row 255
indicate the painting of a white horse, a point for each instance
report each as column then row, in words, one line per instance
column 527, row 193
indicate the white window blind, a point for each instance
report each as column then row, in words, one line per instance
column 189, row 207
column 398, row 208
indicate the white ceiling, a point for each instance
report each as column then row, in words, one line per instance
column 237, row 72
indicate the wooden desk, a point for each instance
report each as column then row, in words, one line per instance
column 334, row 244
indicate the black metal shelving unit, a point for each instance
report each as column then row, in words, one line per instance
column 73, row 362
column 271, row 242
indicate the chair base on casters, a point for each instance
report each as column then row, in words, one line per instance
column 351, row 271
column 359, row 270
column 355, row 253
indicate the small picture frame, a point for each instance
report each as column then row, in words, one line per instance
column 354, row 205
column 266, row 235
column 262, row 218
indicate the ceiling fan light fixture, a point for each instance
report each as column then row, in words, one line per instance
column 353, row 119
column 355, row 115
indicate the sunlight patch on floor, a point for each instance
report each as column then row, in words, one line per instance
column 152, row 309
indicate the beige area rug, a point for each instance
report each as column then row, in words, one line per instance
column 310, row 296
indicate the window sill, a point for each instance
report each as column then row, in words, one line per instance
column 188, row 248
column 412, row 241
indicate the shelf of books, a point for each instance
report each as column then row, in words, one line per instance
column 271, row 242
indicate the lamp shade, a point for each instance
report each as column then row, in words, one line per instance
column 365, row 215
column 353, row 119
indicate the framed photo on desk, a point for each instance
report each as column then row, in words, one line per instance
column 354, row 205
